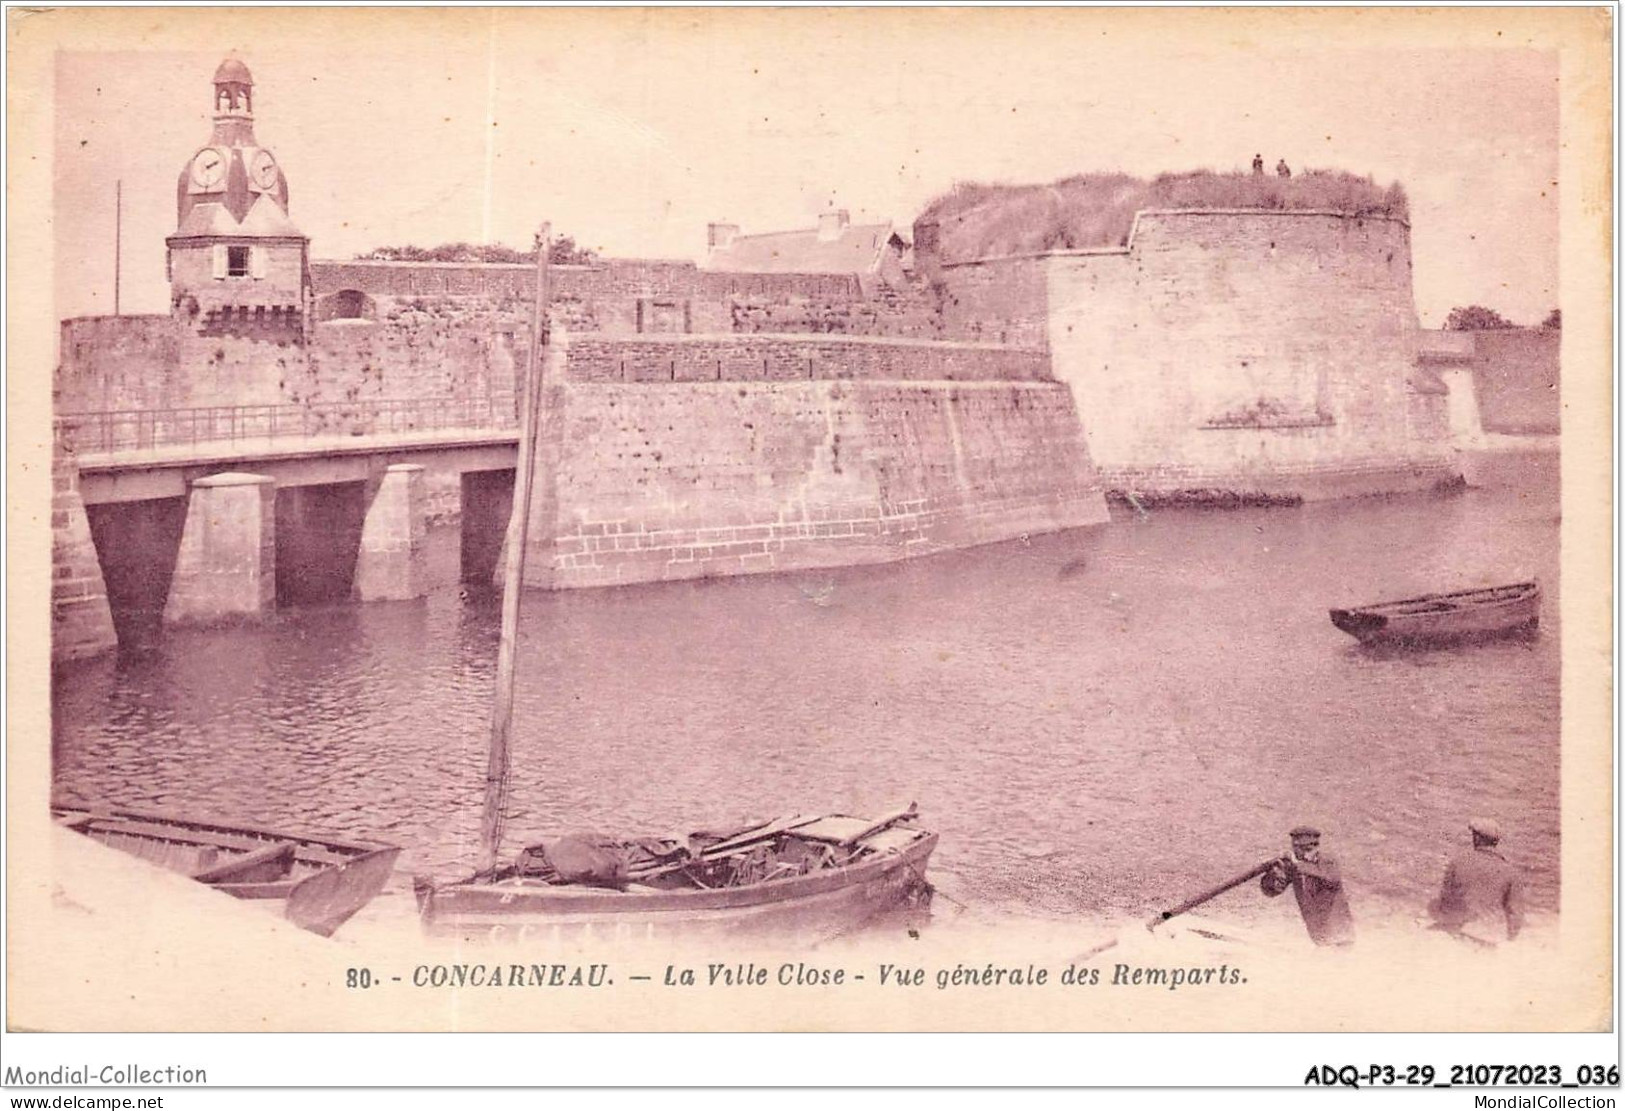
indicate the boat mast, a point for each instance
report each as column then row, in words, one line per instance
column 496, row 769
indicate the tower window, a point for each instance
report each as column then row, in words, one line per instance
column 237, row 262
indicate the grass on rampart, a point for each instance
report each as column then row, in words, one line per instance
column 1097, row 210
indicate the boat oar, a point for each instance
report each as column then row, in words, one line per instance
column 1211, row 893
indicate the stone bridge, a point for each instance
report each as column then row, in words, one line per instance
column 199, row 516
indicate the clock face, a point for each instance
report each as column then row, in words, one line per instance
column 262, row 170
column 209, row 168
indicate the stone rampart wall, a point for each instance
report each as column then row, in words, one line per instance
column 1518, row 378
column 152, row 363
column 659, row 482
column 793, row 358
column 144, row 363
column 432, row 330
column 425, row 356
column 638, row 296
column 897, row 310
column 996, row 301
column 117, row 362
column 1243, row 350
column 616, row 278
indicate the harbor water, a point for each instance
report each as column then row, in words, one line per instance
column 1098, row 723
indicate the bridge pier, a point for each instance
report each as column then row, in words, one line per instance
column 390, row 565
column 487, row 503
column 226, row 567
column 81, row 617
column 137, row 543
column 318, row 537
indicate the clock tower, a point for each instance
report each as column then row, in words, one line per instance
column 237, row 263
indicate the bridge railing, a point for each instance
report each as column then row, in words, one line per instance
column 143, row 429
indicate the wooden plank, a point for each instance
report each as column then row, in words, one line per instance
column 209, row 825
column 241, row 841
column 881, row 823
column 261, row 865
column 845, row 832
column 832, row 830
column 178, row 834
column 760, row 833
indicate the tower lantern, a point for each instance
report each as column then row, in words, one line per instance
column 233, row 91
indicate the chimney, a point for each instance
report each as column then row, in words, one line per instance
column 831, row 224
column 928, row 249
column 719, row 237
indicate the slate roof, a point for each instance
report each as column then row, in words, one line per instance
column 855, row 249
column 265, row 220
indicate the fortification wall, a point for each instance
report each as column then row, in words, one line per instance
column 659, row 481
column 1517, row 376
column 614, row 278
column 895, row 310
column 793, row 358
column 465, row 356
column 1256, row 352
column 118, row 362
column 157, row 362
column 639, row 296
column 997, row 301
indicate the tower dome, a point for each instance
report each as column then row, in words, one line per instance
column 232, row 71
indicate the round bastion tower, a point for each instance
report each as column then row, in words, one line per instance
column 237, row 264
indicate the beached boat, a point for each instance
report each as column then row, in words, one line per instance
column 316, row 882
column 808, row 877
column 811, row 877
column 1464, row 615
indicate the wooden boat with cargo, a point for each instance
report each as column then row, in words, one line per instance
column 1465, row 615
column 808, row 876
column 317, row 883
column 812, row 877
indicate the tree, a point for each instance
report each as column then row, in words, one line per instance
column 561, row 252
column 1475, row 318
column 564, row 252
column 1554, row 321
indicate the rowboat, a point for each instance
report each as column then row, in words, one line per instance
column 811, row 877
column 1464, row 615
column 318, row 883
column 806, row 877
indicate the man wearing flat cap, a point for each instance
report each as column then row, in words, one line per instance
column 1317, row 882
column 1481, row 898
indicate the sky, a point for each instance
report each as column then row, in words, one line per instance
column 630, row 130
